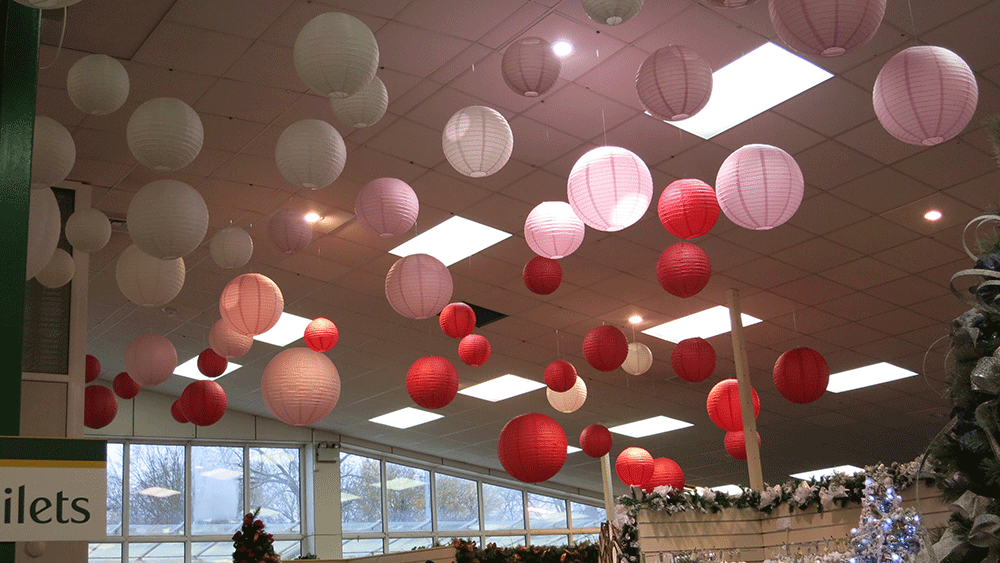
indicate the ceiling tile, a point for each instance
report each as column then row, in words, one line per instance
column 881, row 190
column 589, row 48
column 537, row 143
column 287, row 27
column 769, row 128
column 469, row 20
column 104, row 27
column 242, row 18
column 933, row 165
column 907, row 291
column 249, row 102
column 513, row 27
column 872, row 235
column 863, row 273
column 823, row 213
column 267, row 64
column 411, row 142
column 968, row 35
column 812, row 290
column 817, row 254
column 919, row 255
column 830, row 164
column 845, row 106
column 183, row 47
column 979, row 192
column 687, row 28
column 873, row 140
column 595, row 114
column 396, row 48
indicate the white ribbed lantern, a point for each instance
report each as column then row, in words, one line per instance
column 59, row 271
column 231, row 247
column 553, row 230
column 477, row 141
column 336, row 55
column 610, row 188
column 300, row 386
column 227, row 342
column 364, row 108
column 568, row 401
column 828, row 28
column 674, row 83
column 251, row 304
column 310, row 154
column 164, row 134
column 44, row 221
column 530, row 67
column 146, row 280
column 150, row 359
column 167, row 219
column 289, row 231
column 639, row 359
column 47, row 4
column 731, row 3
column 53, row 153
column 418, row 286
column 386, row 207
column 97, row 84
column 759, row 187
column 88, row 230
column 611, row 12
column 925, row 95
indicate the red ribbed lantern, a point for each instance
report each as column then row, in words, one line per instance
column 532, row 447
column 634, row 466
column 432, row 382
column 211, row 364
column 203, row 403
column 736, row 444
column 693, row 359
column 251, row 304
column 595, row 440
column 724, row 405
column 605, row 348
column 666, row 472
column 683, row 269
column 801, row 375
column 92, row 369
column 178, row 413
column 100, row 406
column 457, row 320
column 542, row 275
column 474, row 350
column 560, row 376
column 321, row 334
column 126, row 387
column 688, row 208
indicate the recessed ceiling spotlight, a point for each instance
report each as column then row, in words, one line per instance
column 635, row 319
column 311, row 217
column 932, row 215
column 562, row 48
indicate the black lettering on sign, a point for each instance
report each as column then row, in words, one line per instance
column 81, row 510
column 36, row 512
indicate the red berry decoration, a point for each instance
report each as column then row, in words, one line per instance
column 693, row 359
column 99, row 406
column 542, row 275
column 457, row 320
column 474, row 350
column 432, row 382
column 211, row 364
column 126, row 387
column 801, row 375
column 634, row 466
column 203, row 402
column 595, row 440
column 177, row 412
column 321, row 334
column 532, row 447
column 688, row 208
column 92, row 370
column 736, row 444
column 605, row 348
column 560, row 376
column 724, row 405
column 666, row 472
column 683, row 269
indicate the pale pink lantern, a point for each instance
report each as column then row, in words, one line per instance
column 289, row 231
column 418, row 286
column 228, row 343
column 828, row 28
column 386, row 207
column 150, row 359
column 674, row 83
column 925, row 95
column 300, row 386
column 530, row 67
column 610, row 188
column 759, row 187
column 553, row 230
column 251, row 304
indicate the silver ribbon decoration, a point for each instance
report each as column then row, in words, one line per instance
column 991, row 278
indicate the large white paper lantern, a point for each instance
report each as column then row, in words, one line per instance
column 150, row 359
column 300, row 386
column 97, row 84
column 59, row 271
column 146, row 280
column 731, row 3
column 925, row 95
column 568, row 401
column 164, row 134
column 364, row 108
column 639, row 359
column 611, row 12
column 167, row 219
column 227, row 342
column 610, row 188
column 759, row 187
column 231, row 247
column 44, row 222
column 553, row 230
column 336, row 55
column 828, row 28
column 310, row 154
column 289, row 231
column 53, row 153
column 47, row 4
column 530, row 67
column 418, row 286
column 386, row 207
column 674, row 83
column 251, row 304
column 88, row 230
column 477, row 141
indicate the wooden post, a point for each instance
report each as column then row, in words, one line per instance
column 609, row 501
column 746, row 397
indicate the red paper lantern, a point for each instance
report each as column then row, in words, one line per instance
column 666, row 472
column 634, row 466
column 683, row 269
column 100, row 406
column 474, row 350
column 211, row 364
column 126, row 387
column 724, row 405
column 693, row 359
column 321, row 335
column 595, row 440
column 457, row 320
column 801, row 375
column 203, row 402
column 688, row 208
column 432, row 382
column 92, row 369
column 560, row 376
column 532, row 448
column 736, row 444
column 605, row 348
column 251, row 304
column 542, row 275
column 178, row 413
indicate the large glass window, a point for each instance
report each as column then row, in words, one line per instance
column 546, row 513
column 216, row 489
column 457, row 503
column 275, row 488
column 586, row 515
column 116, row 463
column 156, row 490
column 504, row 508
column 157, row 552
column 408, row 497
column 360, row 495
column 505, row 541
column 362, row 547
column 549, row 540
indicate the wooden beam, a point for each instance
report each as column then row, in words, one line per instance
column 746, row 397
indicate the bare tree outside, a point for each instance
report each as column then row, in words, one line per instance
column 156, row 489
column 275, row 487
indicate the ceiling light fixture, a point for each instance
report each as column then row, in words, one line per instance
column 649, row 426
column 288, row 329
column 500, row 388
column 932, row 215
column 572, row 449
column 731, row 490
column 635, row 319
column 866, row 376
column 451, row 241
column 704, row 324
column 311, row 217
column 405, row 418
column 562, row 48
column 818, row 473
column 189, row 369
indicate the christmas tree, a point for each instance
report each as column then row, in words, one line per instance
column 252, row 543
column 886, row 533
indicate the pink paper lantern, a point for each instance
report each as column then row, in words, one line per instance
column 688, row 208
column 99, row 406
column 150, row 359
column 203, row 403
column 610, row 188
column 289, row 231
column 300, row 386
column 418, row 286
column 386, row 207
column 925, row 95
column 530, row 67
column 228, row 343
column 674, row 83
column 321, row 334
column 759, row 187
column 251, row 304
column 828, row 28
column 553, row 230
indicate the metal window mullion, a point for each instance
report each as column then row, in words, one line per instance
column 482, row 513
column 188, row 502
column 246, row 480
column 432, row 504
column 385, row 504
column 527, row 520
column 126, row 498
column 569, row 519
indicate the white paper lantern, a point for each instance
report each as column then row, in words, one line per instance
column 828, row 28
column 610, row 188
column 336, row 55
column 53, row 153
column 97, row 84
column 364, row 108
column 611, row 12
column 310, row 154
column 146, row 280
column 477, row 141
column 231, row 247
column 88, row 230
column 150, row 359
column 639, row 359
column 47, row 4
column 44, row 221
column 731, row 3
column 925, row 95
column 251, row 304
column 674, row 83
column 530, row 67
column 59, row 271
column 167, row 219
column 386, row 207
column 164, row 134
column 553, row 230
column 300, row 386
column 418, row 286
column 289, row 231
column 568, row 401
column 227, row 342
column 759, row 187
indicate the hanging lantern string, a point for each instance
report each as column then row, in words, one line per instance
column 558, row 351
column 62, row 34
column 604, row 123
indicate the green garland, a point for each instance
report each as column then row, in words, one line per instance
column 467, row 552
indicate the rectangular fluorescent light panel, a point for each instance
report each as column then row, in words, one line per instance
column 650, row 426
column 288, row 329
column 732, row 490
column 452, row 240
column 866, row 376
column 752, row 84
column 572, row 450
column 845, row 469
column 500, row 388
column 405, row 418
column 706, row 324
column 189, row 369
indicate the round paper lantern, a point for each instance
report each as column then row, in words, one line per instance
column 167, row 219
column 251, row 304
column 99, row 406
column 148, row 281
column 553, row 230
column 321, row 334
column 925, row 95
column 736, row 444
column 289, row 231
column 693, row 359
column 596, row 440
column 474, row 350
column 667, row 473
column 150, row 359
column 731, row 3
column 611, row 12
column 610, row 188
column 364, row 108
column 532, row 447
column 560, row 376
column 432, row 382
column 457, row 320
column 674, row 83
column 477, row 141
column 211, row 364
column 386, row 207
column 164, row 134
column 336, row 55
column 53, row 153
column 605, row 348
column 126, row 387
column 231, row 247
column 688, row 208
column 97, row 84
column 530, row 67
column 571, row 400
column 47, row 4
column 542, row 275
column 310, row 154
column 683, row 269
column 227, row 342
column 203, row 403
column 826, row 28
column 759, row 187
column 634, row 466
column 724, row 405
column 177, row 412
column 88, row 230
column 418, row 286
column 92, row 369
column 59, row 271
column 44, row 222
column 300, row 386
column 639, row 359
column 801, row 375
